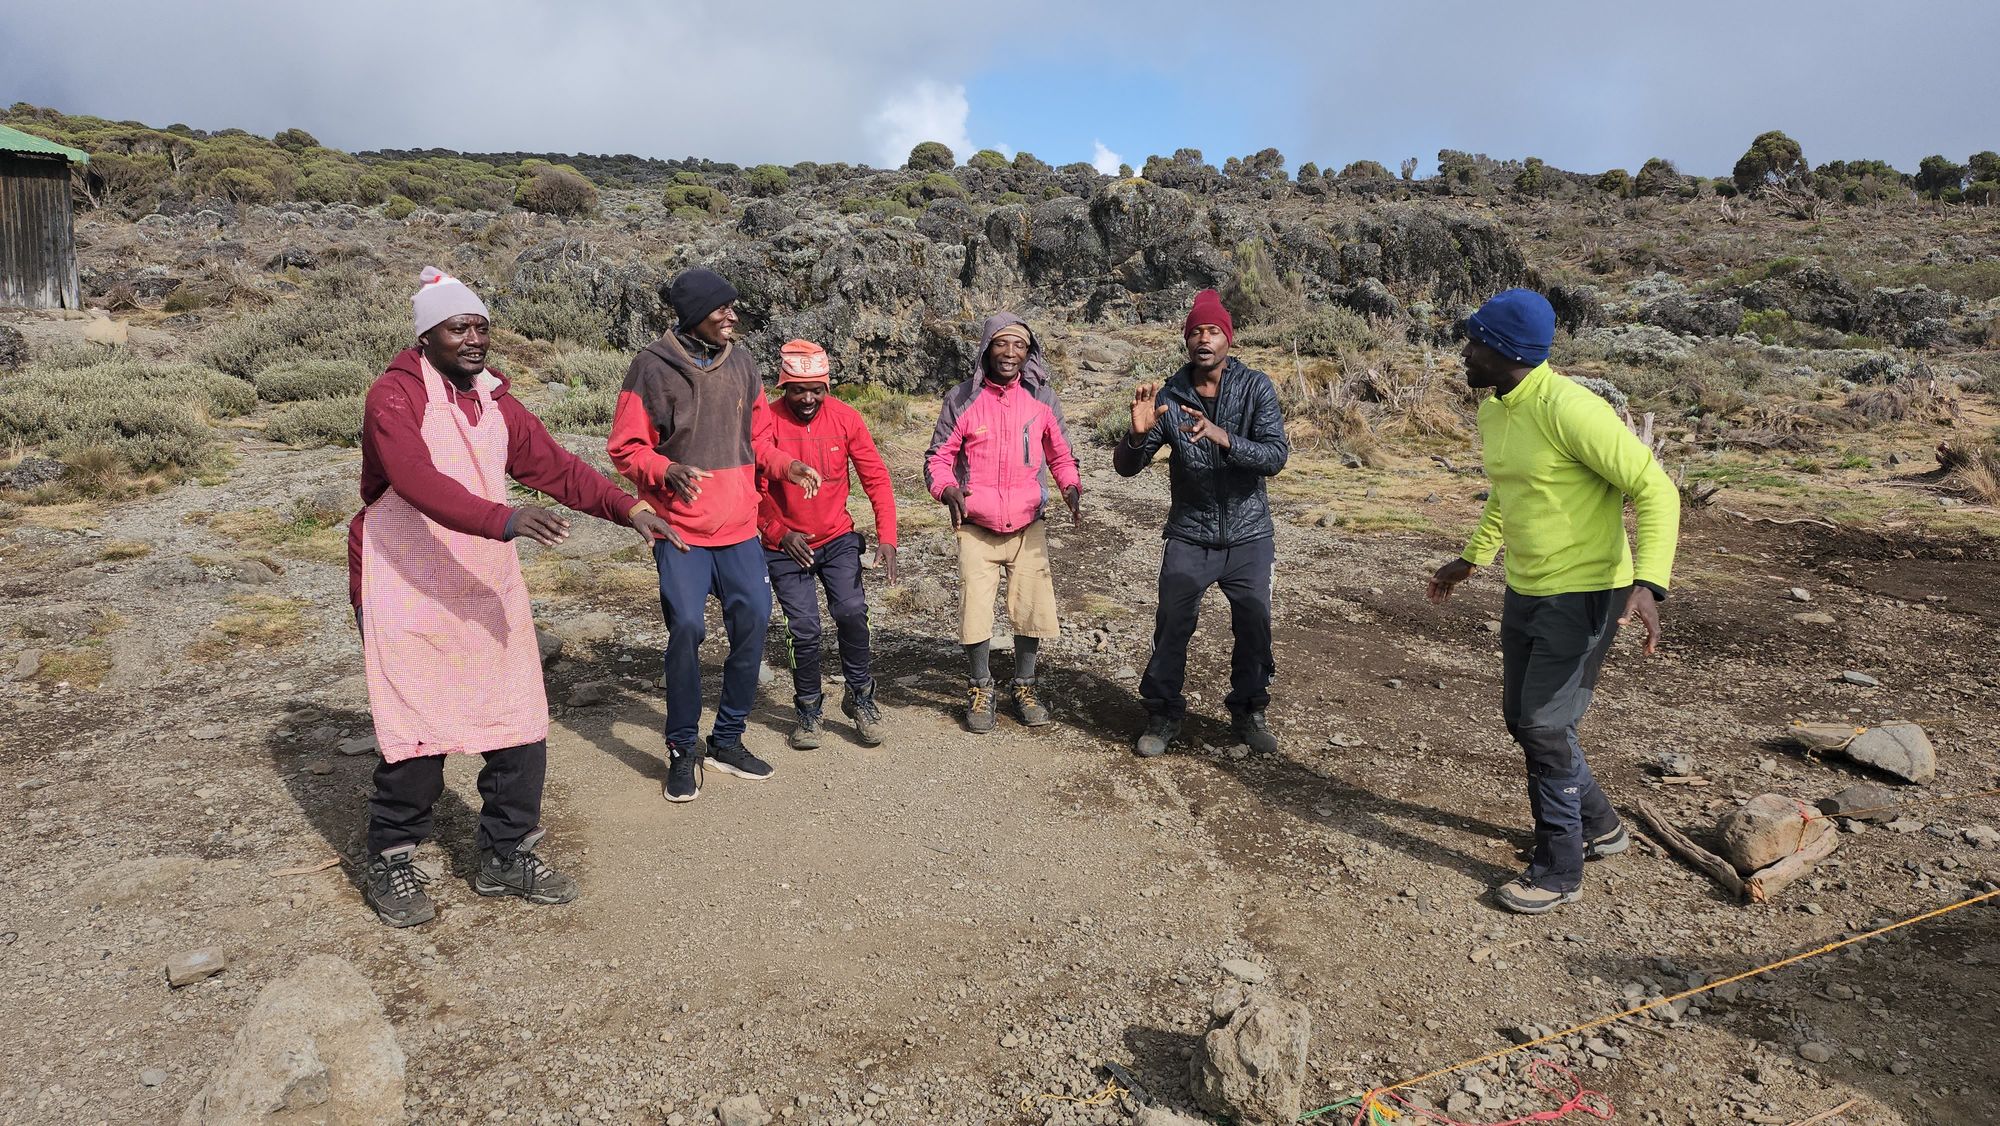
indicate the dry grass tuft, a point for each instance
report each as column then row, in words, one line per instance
column 1973, row 469
column 262, row 621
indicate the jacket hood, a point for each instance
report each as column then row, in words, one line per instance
column 670, row 349
column 1032, row 371
column 410, row 362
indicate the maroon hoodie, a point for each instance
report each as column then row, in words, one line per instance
column 394, row 455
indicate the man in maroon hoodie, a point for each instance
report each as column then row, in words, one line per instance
column 685, row 431
column 447, row 638
column 814, row 539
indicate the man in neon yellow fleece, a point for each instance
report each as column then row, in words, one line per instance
column 1560, row 463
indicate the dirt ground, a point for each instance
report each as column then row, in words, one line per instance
column 935, row 930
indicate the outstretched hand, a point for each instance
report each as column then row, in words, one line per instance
column 1447, row 579
column 1642, row 603
column 650, row 526
column 1146, row 409
column 805, row 477
column 539, row 524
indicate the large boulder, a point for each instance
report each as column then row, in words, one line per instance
column 1250, row 1066
column 1915, row 317
column 1899, row 749
column 316, row 1050
column 1765, row 830
column 1694, row 315
column 1808, row 293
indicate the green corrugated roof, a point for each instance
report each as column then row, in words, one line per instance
column 13, row 140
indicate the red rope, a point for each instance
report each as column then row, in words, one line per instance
column 1580, row 1100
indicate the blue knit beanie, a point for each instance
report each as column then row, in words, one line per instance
column 1520, row 324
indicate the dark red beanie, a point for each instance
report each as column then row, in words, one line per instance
column 1208, row 310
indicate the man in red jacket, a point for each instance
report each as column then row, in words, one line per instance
column 807, row 536
column 684, row 432
column 446, row 633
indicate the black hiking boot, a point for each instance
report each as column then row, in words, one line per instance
column 1032, row 711
column 523, row 874
column 733, row 758
column 860, row 707
column 1251, row 730
column 1161, row 731
column 683, row 773
column 393, row 886
column 980, row 715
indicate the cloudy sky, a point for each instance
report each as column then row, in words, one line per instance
column 1585, row 86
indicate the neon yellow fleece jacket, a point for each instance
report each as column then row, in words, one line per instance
column 1560, row 463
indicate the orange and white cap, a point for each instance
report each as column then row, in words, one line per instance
column 802, row 361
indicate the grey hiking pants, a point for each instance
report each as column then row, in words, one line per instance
column 1552, row 648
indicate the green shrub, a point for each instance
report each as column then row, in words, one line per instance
column 1772, row 326
column 1773, row 159
column 314, row 379
column 1616, row 182
column 553, row 312
column 1029, row 162
column 1657, row 177
column 931, row 156
column 582, row 412
column 696, row 196
column 398, row 208
column 1006, row 199
column 987, row 159
column 319, row 422
column 553, row 190
column 767, row 180
column 321, row 326
column 591, row 369
column 1323, row 332
column 154, row 417
column 1364, row 170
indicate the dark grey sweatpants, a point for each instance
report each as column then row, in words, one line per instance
column 1187, row 570
column 1552, row 648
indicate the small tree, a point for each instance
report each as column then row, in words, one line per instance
column 1367, row 170
column 1308, row 171
column 1533, row 178
column 987, row 160
column 931, row 156
column 1772, row 160
column 1029, row 162
column 1409, row 168
column 1657, row 176
column 295, row 140
column 767, row 180
column 1124, row 172
column 1984, row 166
column 1937, row 175
column 1616, row 182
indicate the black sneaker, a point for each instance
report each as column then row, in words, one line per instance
column 1251, row 730
column 394, row 887
column 1161, row 731
column 806, row 732
column 683, row 774
column 732, row 758
column 522, row 874
column 861, row 708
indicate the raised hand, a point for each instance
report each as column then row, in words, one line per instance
column 1199, row 428
column 1146, row 408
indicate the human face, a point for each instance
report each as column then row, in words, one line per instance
column 1004, row 358
column 1207, row 347
column 804, row 399
column 718, row 328
column 457, row 347
column 1485, row 367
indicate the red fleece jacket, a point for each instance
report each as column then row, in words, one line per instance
column 836, row 438
column 394, row 456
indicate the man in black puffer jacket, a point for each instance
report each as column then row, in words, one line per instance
column 1228, row 434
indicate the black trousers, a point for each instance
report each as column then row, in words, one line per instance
column 1186, row 572
column 1552, row 648
column 837, row 564
column 510, row 787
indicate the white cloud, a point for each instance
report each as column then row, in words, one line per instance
column 924, row 111
column 1104, row 160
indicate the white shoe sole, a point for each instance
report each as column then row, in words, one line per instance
column 1520, row 907
column 681, row 801
column 734, row 772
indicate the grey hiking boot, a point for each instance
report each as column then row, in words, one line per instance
column 861, row 708
column 1607, row 844
column 1161, row 731
column 1251, row 730
column 523, row 874
column 1524, row 898
column 806, row 732
column 1033, row 712
column 393, row 886
column 979, row 705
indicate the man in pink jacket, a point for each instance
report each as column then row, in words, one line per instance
column 994, row 434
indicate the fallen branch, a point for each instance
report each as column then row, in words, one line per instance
column 308, row 869
column 1823, row 1115
column 1714, row 866
column 1747, row 518
column 1764, row 884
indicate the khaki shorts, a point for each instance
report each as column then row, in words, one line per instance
column 1023, row 556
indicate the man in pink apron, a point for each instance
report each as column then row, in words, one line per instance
column 436, row 583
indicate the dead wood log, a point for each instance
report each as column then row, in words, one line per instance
column 1715, row 867
column 1764, row 884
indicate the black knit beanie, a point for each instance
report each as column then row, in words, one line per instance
column 696, row 293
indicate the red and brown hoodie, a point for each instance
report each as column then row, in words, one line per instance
column 676, row 408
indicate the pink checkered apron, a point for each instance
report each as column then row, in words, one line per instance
column 447, row 634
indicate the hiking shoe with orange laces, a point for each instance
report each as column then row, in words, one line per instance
column 980, row 705
column 1033, row 712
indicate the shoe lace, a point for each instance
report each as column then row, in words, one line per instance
column 533, row 867
column 1024, row 695
column 982, row 697
column 866, row 706
column 406, row 879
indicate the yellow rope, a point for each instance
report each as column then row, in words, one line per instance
column 1371, row 1100
column 1110, row 1093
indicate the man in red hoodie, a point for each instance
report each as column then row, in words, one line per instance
column 446, row 633
column 807, row 536
column 685, row 432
